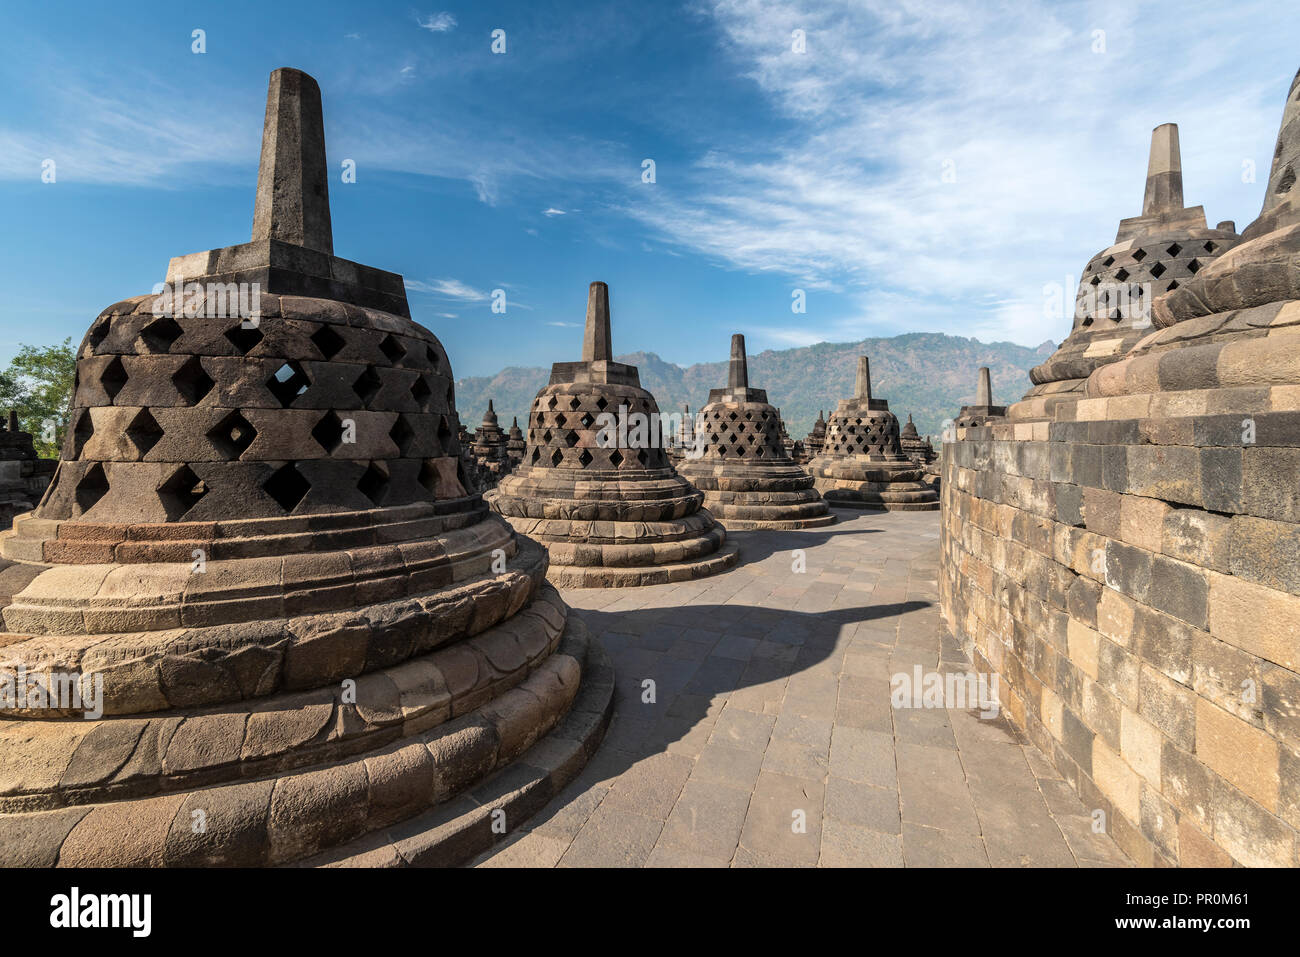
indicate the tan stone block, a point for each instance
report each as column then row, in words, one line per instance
column 1024, row 431
column 1083, row 643
column 67, row 582
column 1090, row 410
column 1129, row 407
column 1142, row 521
column 122, row 834
column 1256, row 619
column 1289, row 314
column 1140, row 744
column 1115, row 616
column 1197, row 850
column 1261, row 361
column 1284, row 398
column 1115, row 779
column 1241, row 753
column 1050, row 712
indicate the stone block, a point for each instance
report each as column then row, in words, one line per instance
column 1168, row 705
column 1242, row 754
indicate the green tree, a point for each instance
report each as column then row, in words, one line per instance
column 38, row 384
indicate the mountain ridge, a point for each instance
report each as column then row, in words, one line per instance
column 927, row 374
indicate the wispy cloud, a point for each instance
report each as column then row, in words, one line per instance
column 437, row 22
column 552, row 211
column 566, row 325
column 943, row 153
column 447, row 289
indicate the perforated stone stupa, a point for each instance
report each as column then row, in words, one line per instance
column 919, row 450
column 596, row 486
column 748, row 479
column 258, row 547
column 816, row 439
column 1158, row 251
column 1131, row 567
column 862, row 463
column 516, row 444
column 489, row 446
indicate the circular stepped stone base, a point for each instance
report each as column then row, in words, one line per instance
column 462, row 828
column 884, row 506
column 426, row 760
column 610, row 576
column 746, row 524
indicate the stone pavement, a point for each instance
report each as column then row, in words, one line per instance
column 771, row 706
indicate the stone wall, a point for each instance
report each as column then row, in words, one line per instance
column 1131, row 572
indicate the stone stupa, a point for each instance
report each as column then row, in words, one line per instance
column 516, row 445
column 862, row 463
column 489, row 446
column 816, row 439
column 684, row 438
column 983, row 412
column 748, row 479
column 911, row 442
column 1154, row 253
column 596, row 486
column 312, row 644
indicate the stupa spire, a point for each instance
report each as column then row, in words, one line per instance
column 1164, row 191
column 984, row 392
column 738, row 374
column 862, row 388
column 596, row 340
column 293, row 201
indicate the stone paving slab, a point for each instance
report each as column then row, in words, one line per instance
column 753, row 725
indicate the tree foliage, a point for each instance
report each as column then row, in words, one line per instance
column 38, row 384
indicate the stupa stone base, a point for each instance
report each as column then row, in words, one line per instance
column 859, row 482
column 462, row 828
column 296, row 774
column 777, row 497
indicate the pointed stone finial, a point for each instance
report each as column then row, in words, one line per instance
column 595, row 341
column 984, row 392
column 490, row 409
column 909, row 418
column 862, row 387
column 293, row 200
column 738, row 374
column 1164, row 191
column 514, row 424
column 13, row 420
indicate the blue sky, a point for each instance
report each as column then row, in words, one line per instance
column 775, row 170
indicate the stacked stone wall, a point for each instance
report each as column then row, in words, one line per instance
column 1133, row 577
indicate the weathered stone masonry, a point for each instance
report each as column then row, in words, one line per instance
column 1130, row 563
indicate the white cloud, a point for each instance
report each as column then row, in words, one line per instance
column 437, row 22
column 566, row 325
column 552, row 211
column 447, row 289
column 1048, row 142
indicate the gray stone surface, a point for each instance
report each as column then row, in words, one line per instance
column 769, row 705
